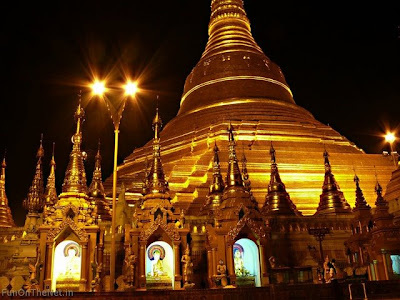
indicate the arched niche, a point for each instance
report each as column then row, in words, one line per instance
column 160, row 270
column 246, row 261
column 67, row 265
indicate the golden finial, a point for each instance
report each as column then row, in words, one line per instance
column 6, row 219
column 79, row 114
column 51, row 191
column 272, row 153
column 277, row 200
column 156, row 183
column 75, row 175
column 360, row 203
column 332, row 200
column 234, row 177
column 35, row 201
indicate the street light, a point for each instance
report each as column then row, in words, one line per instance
column 390, row 138
column 99, row 89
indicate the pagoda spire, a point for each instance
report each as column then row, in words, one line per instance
column 35, row 201
column 214, row 198
column 229, row 28
column 75, row 176
column 156, row 183
column 380, row 202
column 277, row 200
column 245, row 173
column 332, row 200
column 234, row 177
column 232, row 66
column 96, row 191
column 361, row 203
column 6, row 219
column 51, row 191
column 96, row 188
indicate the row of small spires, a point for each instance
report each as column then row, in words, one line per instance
column 39, row 198
column 277, row 199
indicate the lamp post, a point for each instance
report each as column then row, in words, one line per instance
column 319, row 234
column 390, row 138
column 99, row 89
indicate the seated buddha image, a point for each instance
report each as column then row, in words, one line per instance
column 72, row 265
column 240, row 270
column 157, row 256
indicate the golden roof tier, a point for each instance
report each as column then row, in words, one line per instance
column 219, row 92
column 233, row 65
column 6, row 219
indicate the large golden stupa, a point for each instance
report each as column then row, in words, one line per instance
column 235, row 82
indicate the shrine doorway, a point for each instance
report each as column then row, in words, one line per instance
column 66, row 273
column 246, row 259
column 160, row 271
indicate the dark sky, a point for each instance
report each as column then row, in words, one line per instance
column 341, row 60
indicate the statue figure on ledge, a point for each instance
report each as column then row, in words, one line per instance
column 221, row 271
column 96, row 271
column 129, row 268
column 34, row 273
column 187, row 268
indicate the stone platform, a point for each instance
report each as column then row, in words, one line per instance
column 375, row 290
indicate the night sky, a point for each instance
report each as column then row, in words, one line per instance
column 341, row 60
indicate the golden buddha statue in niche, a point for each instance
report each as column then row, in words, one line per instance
column 240, row 270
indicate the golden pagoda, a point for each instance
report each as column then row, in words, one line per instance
column 236, row 83
column 194, row 215
column 69, row 233
column 6, row 219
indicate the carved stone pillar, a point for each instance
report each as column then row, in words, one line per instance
column 214, row 261
column 210, row 267
column 48, row 266
column 178, row 276
column 142, row 265
column 84, row 269
column 263, row 266
column 385, row 266
column 377, row 277
column 230, row 265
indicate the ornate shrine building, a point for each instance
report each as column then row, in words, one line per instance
column 228, row 194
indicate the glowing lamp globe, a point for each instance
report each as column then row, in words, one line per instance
column 390, row 137
column 98, row 88
column 131, row 88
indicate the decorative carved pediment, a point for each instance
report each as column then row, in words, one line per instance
column 169, row 229
column 54, row 232
column 257, row 228
column 68, row 207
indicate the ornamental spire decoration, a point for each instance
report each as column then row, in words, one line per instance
column 35, row 201
column 332, row 200
column 234, row 177
column 214, row 198
column 75, row 176
column 6, row 219
column 96, row 188
column 96, row 191
column 361, row 203
column 229, row 28
column 277, row 200
column 156, row 183
column 51, row 191
column 380, row 202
